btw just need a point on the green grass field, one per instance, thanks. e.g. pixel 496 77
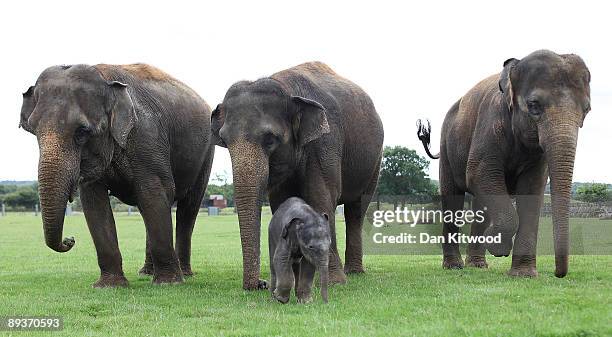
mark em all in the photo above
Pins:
pixel 399 295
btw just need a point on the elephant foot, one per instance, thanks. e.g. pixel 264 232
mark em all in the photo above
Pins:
pixel 256 285
pixel 187 271
pixel 111 281
pixel 337 277
pixel 499 249
pixel 304 300
pixel 353 269
pixel 523 266
pixel 174 278
pixel 146 271
pixel 281 298
pixel 523 272
pixel 476 261
pixel 452 262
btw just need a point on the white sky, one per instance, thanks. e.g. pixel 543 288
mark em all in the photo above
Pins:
pixel 415 60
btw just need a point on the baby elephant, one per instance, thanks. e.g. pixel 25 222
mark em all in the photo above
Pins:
pixel 299 241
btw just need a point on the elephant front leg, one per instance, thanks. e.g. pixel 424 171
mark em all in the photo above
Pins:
pixel 304 283
pixel 284 277
pixel 476 251
pixel 530 194
pixel 99 217
pixel 504 224
pixel 489 186
pixel 155 203
pixel 336 270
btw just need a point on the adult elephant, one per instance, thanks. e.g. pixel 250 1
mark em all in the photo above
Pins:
pixel 504 138
pixel 134 131
pixel 304 132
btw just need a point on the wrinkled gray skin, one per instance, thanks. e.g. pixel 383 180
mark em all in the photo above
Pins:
pixel 304 132
pixel 502 140
pixel 134 131
pixel 299 240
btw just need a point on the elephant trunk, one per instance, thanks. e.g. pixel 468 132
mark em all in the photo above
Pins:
pixel 560 151
pixel 324 275
pixel 57 175
pixel 250 172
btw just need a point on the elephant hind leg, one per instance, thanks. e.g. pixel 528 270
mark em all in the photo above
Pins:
pixel 452 199
pixel 186 214
pixel 147 268
pixel 354 214
pixel 353 256
pixel 529 199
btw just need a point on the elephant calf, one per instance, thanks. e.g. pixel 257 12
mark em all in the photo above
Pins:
pixel 299 241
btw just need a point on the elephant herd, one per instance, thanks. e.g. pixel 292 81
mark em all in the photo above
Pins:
pixel 139 134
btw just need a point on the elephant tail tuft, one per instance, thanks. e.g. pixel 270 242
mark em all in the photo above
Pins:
pixel 424 134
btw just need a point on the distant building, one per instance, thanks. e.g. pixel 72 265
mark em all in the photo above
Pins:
pixel 216 200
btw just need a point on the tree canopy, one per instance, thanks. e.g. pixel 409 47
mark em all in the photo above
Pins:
pixel 593 193
pixel 402 173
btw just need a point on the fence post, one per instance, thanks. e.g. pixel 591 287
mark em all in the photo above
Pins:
pixel 36 210
pixel 129 210
pixel 3 210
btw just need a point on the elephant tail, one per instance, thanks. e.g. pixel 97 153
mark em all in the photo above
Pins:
pixel 424 134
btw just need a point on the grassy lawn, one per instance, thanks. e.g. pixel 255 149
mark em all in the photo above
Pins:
pixel 399 295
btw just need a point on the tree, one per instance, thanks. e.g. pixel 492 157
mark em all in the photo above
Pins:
pixel 219 185
pixel 402 174
pixel 25 197
pixel 593 193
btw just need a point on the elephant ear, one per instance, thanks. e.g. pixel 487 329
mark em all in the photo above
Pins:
pixel 27 107
pixel 123 116
pixel 310 120
pixel 296 222
pixel 505 81
pixel 217 118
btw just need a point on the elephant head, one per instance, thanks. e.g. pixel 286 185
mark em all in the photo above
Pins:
pixel 314 240
pixel 79 119
pixel 262 124
pixel 548 96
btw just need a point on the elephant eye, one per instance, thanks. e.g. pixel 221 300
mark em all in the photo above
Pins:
pixel 534 107
pixel 270 140
pixel 81 135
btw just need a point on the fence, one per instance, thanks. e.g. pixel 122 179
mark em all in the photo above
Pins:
pixel 582 210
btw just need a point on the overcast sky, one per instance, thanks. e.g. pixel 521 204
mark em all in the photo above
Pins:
pixel 414 60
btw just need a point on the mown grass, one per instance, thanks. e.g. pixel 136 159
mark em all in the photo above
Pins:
pixel 399 295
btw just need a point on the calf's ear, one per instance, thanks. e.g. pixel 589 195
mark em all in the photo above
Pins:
pixel 296 222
